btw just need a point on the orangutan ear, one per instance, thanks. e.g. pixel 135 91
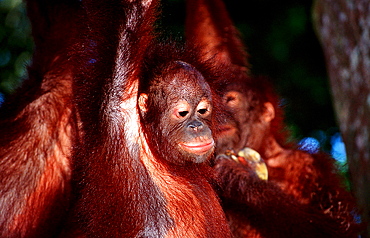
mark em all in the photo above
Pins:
pixel 142 102
pixel 269 112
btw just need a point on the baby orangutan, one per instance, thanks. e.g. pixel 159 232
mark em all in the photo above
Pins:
pixel 289 193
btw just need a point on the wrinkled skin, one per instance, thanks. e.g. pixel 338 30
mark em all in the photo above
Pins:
pixel 184 112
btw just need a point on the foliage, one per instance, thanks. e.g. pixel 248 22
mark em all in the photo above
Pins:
pixel 15 44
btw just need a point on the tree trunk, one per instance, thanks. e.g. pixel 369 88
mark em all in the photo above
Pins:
pixel 343 26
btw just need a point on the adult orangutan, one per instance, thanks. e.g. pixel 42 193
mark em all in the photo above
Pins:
pixel 37 127
pixel 289 194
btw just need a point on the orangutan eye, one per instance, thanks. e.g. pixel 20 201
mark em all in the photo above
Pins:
pixel 181 110
pixel 204 107
pixel 202 111
pixel 230 98
pixel 183 113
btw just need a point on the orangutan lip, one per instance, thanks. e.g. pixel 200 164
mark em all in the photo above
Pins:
pixel 226 129
pixel 198 147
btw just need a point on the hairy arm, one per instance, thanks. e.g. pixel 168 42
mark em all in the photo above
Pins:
pixel 265 207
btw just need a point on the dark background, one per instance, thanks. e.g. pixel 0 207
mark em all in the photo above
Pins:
pixel 278 34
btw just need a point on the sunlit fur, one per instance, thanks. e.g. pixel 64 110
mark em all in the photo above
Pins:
pixel 37 127
pixel 124 185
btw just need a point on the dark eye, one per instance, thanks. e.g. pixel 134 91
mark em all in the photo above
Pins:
pixel 183 113
pixel 230 98
pixel 202 111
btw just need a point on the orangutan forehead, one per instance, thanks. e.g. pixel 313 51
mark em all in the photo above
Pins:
pixel 183 78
